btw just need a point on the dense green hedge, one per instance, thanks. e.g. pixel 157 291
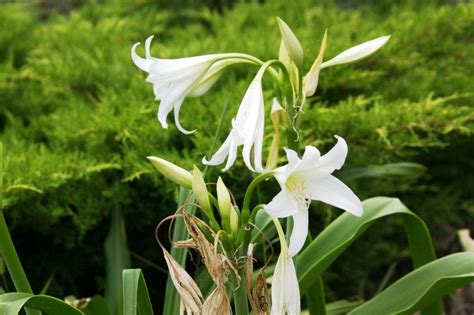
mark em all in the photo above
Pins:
pixel 77 120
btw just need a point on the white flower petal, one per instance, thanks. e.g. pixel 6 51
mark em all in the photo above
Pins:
pixel 170 70
pixel 293 162
pixel 212 75
pixel 292 156
pixel 142 63
pixel 178 124
pixel 232 154
pixel 282 205
pixel 147 47
pixel 285 288
pixel 258 146
pixel 248 119
pixel 173 98
pixel 357 52
pixel 328 189
pixel 310 159
pixel 281 175
pixel 276 106
pixel 221 154
pixel 335 158
pixel 299 232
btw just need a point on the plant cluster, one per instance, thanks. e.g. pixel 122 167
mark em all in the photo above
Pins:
pixel 76 120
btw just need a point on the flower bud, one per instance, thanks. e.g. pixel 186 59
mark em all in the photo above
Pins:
pixel 177 174
pixel 291 46
pixel 357 52
pixel 225 203
pixel 200 192
pixel 234 220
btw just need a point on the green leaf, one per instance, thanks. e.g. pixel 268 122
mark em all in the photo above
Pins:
pixel 343 231
pixel 45 288
pixel 340 307
pixel 316 297
pixel 402 170
pixel 136 300
pixel 118 259
pixel 265 225
pixel 422 286
pixel 13 303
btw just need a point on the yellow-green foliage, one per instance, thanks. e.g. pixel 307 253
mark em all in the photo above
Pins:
pixel 77 118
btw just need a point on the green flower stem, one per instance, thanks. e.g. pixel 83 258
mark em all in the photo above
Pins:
pixel 240 295
pixel 292 139
pixel 215 225
pixel 248 195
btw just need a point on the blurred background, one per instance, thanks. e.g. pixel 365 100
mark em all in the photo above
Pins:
pixel 77 120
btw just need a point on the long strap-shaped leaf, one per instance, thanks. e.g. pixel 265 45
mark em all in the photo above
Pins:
pixel 331 242
pixel 117 259
pixel 13 303
pixel 422 286
pixel 136 300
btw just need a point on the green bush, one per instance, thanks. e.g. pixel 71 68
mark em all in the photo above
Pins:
pixel 77 121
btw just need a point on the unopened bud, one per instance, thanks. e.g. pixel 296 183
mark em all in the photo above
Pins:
pixel 234 221
pixel 173 172
pixel 200 192
pixel 225 203
pixel 291 46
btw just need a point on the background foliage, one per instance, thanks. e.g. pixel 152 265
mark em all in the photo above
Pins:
pixel 77 120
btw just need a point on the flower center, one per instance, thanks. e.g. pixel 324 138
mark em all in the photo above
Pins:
pixel 296 185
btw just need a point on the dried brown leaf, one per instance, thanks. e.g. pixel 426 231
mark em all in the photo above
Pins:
pixel 211 259
pixel 261 294
pixel 191 296
pixel 189 243
pixel 217 302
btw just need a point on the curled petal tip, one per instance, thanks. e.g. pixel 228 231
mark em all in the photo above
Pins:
pixel 181 128
pixel 147 46
pixel 142 63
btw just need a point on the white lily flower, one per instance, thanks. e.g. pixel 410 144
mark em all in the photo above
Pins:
pixel 285 288
pixel 175 79
pixel 350 55
pixel 247 130
pixel 306 179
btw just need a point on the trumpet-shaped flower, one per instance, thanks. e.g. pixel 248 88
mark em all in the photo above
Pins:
pixel 247 130
pixel 175 79
pixel 306 179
